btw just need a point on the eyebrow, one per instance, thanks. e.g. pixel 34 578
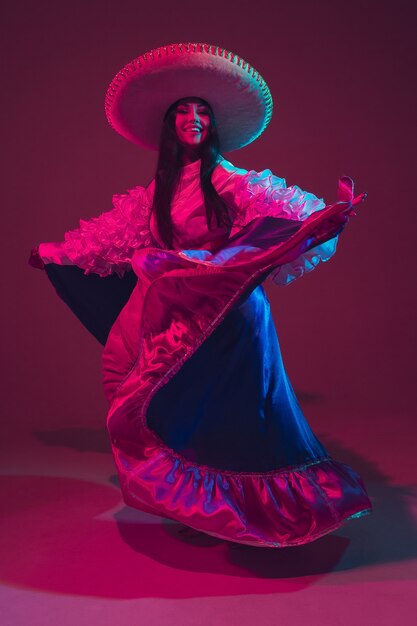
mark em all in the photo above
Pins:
pixel 198 104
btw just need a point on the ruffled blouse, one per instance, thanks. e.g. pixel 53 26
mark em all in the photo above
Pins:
pixel 106 244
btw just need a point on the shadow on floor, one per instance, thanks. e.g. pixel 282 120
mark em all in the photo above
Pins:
pixel 73 536
pixel 80 439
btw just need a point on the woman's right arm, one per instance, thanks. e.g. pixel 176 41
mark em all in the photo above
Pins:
pixel 105 244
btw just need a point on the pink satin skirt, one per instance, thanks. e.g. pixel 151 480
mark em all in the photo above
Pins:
pixel 204 423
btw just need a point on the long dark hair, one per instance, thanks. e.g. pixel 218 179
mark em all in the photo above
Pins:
pixel 168 174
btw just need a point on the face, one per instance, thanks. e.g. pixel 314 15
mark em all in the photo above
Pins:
pixel 192 122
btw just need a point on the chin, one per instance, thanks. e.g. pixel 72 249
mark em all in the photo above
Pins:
pixel 191 146
pixel 192 142
pixel 195 143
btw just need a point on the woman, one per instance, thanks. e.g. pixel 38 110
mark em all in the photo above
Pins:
pixel 204 423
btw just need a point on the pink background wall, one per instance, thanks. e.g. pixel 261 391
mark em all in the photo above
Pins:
pixel 341 77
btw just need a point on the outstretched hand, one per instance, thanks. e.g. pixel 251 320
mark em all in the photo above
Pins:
pixel 35 259
pixel 336 223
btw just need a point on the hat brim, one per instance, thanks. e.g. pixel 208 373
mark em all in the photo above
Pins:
pixel 141 93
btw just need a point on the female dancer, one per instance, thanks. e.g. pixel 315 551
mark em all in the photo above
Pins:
pixel 204 423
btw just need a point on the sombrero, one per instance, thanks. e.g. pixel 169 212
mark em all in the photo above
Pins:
pixel 141 93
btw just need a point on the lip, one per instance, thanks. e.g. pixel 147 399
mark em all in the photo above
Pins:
pixel 194 128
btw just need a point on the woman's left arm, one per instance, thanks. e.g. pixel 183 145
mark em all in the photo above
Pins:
pixel 259 194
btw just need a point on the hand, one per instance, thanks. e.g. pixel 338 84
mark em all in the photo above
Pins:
pixel 339 222
pixel 331 227
pixel 35 260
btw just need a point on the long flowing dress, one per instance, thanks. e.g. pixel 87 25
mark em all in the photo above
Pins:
pixel 204 424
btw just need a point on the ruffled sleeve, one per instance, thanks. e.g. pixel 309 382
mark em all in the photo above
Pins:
pixel 258 194
pixel 105 244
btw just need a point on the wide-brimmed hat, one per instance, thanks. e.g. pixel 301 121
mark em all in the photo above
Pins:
pixel 141 93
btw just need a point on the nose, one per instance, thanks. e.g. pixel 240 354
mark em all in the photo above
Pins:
pixel 193 114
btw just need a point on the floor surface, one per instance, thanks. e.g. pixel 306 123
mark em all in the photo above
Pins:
pixel 73 553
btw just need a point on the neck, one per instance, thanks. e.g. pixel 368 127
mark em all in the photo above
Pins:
pixel 190 155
